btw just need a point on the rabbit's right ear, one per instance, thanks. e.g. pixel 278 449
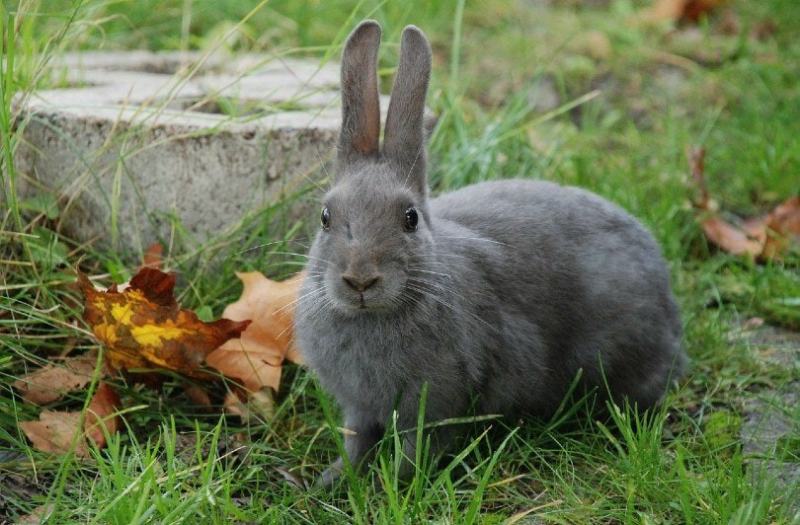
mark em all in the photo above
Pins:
pixel 404 136
pixel 361 115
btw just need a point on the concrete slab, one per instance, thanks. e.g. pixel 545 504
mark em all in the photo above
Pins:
pixel 136 142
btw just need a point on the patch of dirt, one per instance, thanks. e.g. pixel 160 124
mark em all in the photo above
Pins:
pixel 18 486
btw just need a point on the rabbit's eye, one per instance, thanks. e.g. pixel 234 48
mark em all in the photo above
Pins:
pixel 412 219
pixel 326 218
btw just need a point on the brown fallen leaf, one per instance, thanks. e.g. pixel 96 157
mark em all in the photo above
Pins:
pixel 102 418
pixel 594 44
pixel 694 10
pixel 256 357
pixel 153 256
pixel 144 327
pixel 765 29
pixel 39 515
pixel 197 395
pixel 765 237
pixel 51 382
pixel 680 10
pixel 292 479
pixel 247 405
pixel 721 233
pixel 753 323
pixel 783 228
pixel 57 432
pixel 235 406
pixel 730 238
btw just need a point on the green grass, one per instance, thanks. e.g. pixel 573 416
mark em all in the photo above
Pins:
pixel 659 92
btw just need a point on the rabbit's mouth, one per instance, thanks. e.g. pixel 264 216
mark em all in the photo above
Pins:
pixel 360 302
pixel 354 293
pixel 380 298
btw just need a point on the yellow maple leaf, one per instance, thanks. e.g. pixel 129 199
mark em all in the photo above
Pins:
pixel 143 326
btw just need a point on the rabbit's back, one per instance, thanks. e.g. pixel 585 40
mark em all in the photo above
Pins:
pixel 576 274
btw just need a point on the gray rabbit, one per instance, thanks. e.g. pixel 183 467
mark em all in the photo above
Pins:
pixel 496 295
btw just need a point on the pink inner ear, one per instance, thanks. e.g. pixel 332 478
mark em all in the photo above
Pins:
pixel 366 140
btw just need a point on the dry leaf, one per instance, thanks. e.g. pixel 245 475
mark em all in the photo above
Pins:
pixel 694 10
pixel 664 11
pixel 594 44
pixel 783 228
pixel 680 10
pixel 39 515
pixel 50 383
pixel 752 323
pixel 144 326
pixel 153 256
pixel 730 238
pixel 291 478
pixel 262 404
pixel 197 395
pixel 766 237
pixel 102 418
pixel 764 29
pixel 251 404
pixel 255 359
pixel 723 234
pixel 56 431
pixel 234 406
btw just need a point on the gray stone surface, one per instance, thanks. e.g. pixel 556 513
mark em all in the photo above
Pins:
pixel 772 416
pixel 773 345
pixel 771 423
pixel 134 141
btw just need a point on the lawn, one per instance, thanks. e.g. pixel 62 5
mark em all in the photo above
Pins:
pixel 574 91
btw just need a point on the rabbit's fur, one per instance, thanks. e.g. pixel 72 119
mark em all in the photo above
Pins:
pixel 503 294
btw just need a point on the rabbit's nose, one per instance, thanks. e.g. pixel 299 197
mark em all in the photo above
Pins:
pixel 360 284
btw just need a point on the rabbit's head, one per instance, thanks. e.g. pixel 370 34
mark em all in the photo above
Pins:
pixel 375 230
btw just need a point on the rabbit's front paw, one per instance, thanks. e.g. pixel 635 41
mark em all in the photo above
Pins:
pixel 330 475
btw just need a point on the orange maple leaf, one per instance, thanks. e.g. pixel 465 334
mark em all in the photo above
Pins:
pixel 256 357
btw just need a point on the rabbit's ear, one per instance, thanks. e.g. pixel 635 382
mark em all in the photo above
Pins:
pixel 361 115
pixel 404 137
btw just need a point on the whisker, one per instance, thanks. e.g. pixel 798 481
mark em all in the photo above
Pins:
pixel 326 261
pixel 313 292
pixel 482 239
pixel 413 269
pixel 418 286
pixel 263 245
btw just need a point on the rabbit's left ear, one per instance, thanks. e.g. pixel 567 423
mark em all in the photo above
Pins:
pixel 404 136
pixel 361 116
